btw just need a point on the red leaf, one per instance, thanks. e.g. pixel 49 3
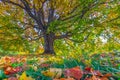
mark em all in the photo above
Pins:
pixel 6 72
pixel 18 69
pixel 74 72
pixel 13 59
pixel 97 73
pixel 88 69
pixel 44 65
pixel 9 68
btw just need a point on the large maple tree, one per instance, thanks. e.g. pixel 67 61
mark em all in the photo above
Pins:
pixel 74 20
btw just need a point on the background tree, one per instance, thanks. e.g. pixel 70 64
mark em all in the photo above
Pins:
pixel 74 20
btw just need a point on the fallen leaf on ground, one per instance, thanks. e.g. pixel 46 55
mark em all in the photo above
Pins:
pixel 75 72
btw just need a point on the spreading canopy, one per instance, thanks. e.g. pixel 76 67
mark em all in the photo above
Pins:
pixel 74 20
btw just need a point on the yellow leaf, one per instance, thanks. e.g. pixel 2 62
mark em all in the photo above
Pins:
pixel 57 72
pixel 35 68
pixel 24 77
pixel 30 78
pixel 53 72
pixel 48 73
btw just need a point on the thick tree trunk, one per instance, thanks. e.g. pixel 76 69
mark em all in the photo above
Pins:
pixel 48 44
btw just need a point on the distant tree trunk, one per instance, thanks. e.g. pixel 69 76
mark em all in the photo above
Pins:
pixel 49 44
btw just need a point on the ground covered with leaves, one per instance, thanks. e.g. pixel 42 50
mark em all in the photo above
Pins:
pixel 104 66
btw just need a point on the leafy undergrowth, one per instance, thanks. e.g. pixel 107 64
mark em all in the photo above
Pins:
pixel 94 67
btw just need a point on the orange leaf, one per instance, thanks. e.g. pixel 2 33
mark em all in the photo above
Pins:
pixel 103 78
pixel 107 75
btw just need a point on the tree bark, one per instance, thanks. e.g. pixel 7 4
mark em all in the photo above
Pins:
pixel 49 44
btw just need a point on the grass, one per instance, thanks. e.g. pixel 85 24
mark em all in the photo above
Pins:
pixel 105 63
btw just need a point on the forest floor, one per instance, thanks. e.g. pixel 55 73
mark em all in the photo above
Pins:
pixel 104 66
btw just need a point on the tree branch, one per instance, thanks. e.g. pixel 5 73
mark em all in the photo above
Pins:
pixel 30 13
pixel 90 6
pixel 28 9
pixel 72 11
pixel 8 1
pixel 50 16
pixel 84 10
pixel 86 37
pixel 63 36
pixel 114 19
pixel 70 17
pixel 32 38
pixel 40 17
